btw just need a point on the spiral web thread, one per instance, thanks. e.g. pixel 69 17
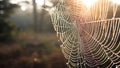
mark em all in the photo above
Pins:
pixel 90 36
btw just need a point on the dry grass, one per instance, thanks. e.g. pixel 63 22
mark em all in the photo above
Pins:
pixel 32 51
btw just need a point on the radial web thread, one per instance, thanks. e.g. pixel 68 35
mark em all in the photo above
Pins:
pixel 90 36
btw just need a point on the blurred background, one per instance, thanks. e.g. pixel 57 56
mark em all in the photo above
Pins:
pixel 27 37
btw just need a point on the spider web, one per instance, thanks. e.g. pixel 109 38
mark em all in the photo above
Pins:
pixel 90 36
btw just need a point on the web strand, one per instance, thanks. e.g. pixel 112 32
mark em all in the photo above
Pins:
pixel 90 38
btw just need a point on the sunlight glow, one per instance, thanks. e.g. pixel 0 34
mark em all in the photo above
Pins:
pixel 116 2
pixel 40 2
pixel 88 3
pixel 23 8
pixel 14 1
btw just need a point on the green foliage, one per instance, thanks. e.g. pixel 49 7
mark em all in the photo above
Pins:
pixel 6 8
pixel 7 30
